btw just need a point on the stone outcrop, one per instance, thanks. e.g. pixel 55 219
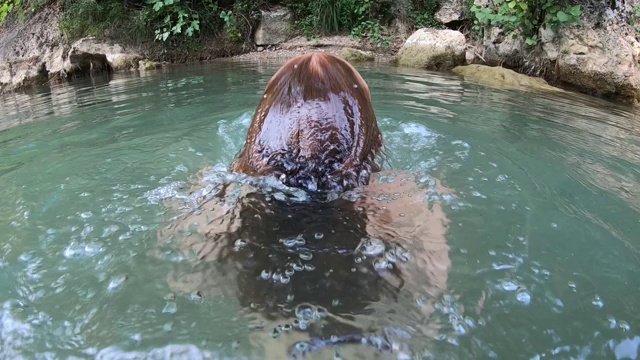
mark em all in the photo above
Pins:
pixel 274 28
pixel 433 49
pixel 34 53
pixel 355 55
pixel 597 62
pixel 497 76
pixel 116 55
pixel 450 11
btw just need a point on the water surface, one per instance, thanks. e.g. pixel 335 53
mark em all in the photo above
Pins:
pixel 542 202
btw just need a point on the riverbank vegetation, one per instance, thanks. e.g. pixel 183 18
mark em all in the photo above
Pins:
pixel 176 23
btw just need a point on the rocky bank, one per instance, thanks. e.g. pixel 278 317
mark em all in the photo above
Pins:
pixel 597 61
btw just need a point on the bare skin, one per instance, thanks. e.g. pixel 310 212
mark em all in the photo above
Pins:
pixel 408 220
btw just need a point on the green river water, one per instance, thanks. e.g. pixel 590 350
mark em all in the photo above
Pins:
pixel 543 236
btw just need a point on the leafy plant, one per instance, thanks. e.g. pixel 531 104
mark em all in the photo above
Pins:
pixel 6 7
pixel 177 19
pixel 230 25
pixel 424 14
pixel 526 16
pixel 371 31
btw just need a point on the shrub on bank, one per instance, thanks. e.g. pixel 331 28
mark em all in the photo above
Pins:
pixel 173 21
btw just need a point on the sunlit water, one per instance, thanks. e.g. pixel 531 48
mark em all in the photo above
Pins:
pixel 543 204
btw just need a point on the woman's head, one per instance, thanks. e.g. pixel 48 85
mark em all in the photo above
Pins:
pixel 315 127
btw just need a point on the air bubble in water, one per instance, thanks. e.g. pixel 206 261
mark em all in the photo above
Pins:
pixel 371 246
pixel 305 311
pixel 116 283
pixel 239 244
pixel 623 325
pixel 265 274
pixel 289 272
pixel 86 214
pixel 170 308
pixel 309 267
pixel 597 301
pixel 381 264
pixel 291 242
pixel 319 235
pixel 509 285
pixel 285 279
pixel 523 297
pixel 306 256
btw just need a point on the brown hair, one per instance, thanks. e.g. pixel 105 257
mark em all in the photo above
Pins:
pixel 315 127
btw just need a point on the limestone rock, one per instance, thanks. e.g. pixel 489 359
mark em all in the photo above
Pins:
pixel 433 49
pixel 501 47
pixel 598 62
pixel 500 77
pixel 148 65
pixel 274 27
pixel 22 72
pixel 115 54
pixel 450 11
pixel 355 55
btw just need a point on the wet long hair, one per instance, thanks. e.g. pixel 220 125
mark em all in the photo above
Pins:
pixel 314 128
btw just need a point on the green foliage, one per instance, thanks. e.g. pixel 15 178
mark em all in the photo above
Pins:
pixel 634 18
pixel 423 14
pixel 230 25
pixel 526 16
pixel 177 18
pixel 328 16
pixel 19 8
pixel 372 31
pixel 6 7
pixel 90 17
pixel 363 19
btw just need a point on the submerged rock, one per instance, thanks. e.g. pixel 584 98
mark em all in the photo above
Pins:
pixel 433 49
pixel 497 76
pixel 355 55
pixel 274 28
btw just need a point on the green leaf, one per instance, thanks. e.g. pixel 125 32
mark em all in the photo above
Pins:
pixel 562 16
pixel 481 15
pixel 575 10
pixel 165 35
pixel 157 6
pixel 523 5
pixel 512 4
